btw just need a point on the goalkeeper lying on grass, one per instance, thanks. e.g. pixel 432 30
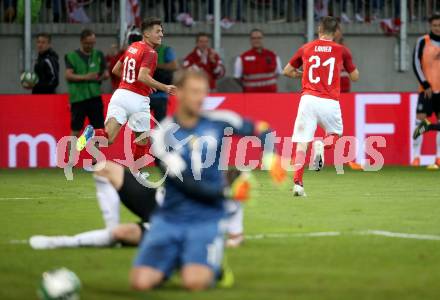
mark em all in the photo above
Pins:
pixel 186 230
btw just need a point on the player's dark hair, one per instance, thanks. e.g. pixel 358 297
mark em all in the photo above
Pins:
pixel 44 35
pixel 149 23
pixel 434 17
pixel 86 33
pixel 201 34
pixel 329 25
pixel 181 76
pixel 256 30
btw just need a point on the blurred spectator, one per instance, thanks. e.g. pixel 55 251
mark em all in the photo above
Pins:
pixel 205 58
pixel 55 6
pixel 299 10
pixel 47 67
pixel 345 79
pixel 426 66
pixel 378 8
pixel 112 58
pixel 357 11
pixel 166 65
pixel 183 16
pixel 321 8
pixel 35 10
pixel 85 69
pixel 10 7
pixel 76 11
pixel 258 68
pixel 227 20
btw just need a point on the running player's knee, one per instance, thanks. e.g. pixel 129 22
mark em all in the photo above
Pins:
pixel 302 147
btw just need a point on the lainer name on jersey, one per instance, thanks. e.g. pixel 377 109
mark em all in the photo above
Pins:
pixel 323 48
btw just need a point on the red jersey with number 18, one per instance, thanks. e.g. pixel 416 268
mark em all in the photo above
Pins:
pixel 322 62
pixel 138 55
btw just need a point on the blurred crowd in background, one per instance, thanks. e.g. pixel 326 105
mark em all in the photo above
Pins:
pixel 190 12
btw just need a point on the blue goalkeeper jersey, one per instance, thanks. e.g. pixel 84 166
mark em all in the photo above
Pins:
pixel 199 196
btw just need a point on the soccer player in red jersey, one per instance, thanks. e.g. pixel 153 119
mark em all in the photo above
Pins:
pixel 322 61
pixel 130 101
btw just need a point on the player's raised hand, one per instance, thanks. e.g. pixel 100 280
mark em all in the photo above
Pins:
pixel 170 89
pixel 272 163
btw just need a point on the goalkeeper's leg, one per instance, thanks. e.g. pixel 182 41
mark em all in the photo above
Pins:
pixel 94 238
pixel 108 180
pixel 128 234
pixel 235 224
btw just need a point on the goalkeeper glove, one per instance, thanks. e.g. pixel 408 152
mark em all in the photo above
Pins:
pixel 272 162
pixel 239 185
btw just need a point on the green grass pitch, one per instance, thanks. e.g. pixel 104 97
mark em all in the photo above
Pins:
pixel 280 265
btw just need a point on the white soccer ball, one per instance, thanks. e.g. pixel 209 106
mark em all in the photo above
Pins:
pixel 59 284
pixel 28 79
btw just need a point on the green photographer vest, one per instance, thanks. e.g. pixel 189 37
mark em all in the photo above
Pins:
pixel 84 90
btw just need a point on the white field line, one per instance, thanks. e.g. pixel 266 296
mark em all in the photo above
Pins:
pixel 290 235
pixel 415 236
pixel 383 233
pixel 42 198
pixel 18 241
pixel 261 236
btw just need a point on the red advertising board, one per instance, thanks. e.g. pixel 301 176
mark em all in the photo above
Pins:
pixel 31 125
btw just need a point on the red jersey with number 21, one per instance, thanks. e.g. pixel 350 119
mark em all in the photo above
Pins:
pixel 138 55
pixel 322 62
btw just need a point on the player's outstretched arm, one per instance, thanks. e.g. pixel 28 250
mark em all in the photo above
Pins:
pixel 237 188
pixel 354 76
pixel 182 177
pixel 145 77
pixel 260 129
pixel 291 72
pixel 117 69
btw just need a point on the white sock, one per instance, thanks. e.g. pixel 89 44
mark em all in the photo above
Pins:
pixel 235 221
pixel 417 143
pixel 438 143
pixel 108 200
pixel 94 238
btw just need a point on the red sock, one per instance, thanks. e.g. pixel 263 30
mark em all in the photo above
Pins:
pixel 101 132
pixel 330 141
pixel 300 159
pixel 139 151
